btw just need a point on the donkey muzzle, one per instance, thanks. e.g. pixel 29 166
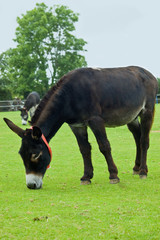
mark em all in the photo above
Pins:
pixel 33 181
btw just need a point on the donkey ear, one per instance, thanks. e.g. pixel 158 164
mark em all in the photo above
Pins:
pixel 36 134
pixel 19 131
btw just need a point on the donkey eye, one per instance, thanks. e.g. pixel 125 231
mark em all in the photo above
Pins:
pixel 35 157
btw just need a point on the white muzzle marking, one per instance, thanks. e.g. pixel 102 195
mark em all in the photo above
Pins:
pixel 33 181
pixel 24 122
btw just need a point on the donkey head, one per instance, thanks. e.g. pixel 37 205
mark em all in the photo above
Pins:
pixel 35 152
pixel 24 115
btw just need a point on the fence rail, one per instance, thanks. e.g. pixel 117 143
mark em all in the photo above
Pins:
pixel 158 98
pixel 11 105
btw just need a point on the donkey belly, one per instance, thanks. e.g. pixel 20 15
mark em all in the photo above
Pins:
pixel 121 116
pixel 113 117
pixel 122 106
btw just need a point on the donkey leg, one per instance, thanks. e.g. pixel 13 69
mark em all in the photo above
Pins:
pixel 98 127
pixel 146 123
pixel 135 129
pixel 85 149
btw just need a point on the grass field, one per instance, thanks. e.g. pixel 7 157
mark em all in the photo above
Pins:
pixel 63 209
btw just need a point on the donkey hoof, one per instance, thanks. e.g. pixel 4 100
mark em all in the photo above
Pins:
pixel 114 181
pixel 135 172
pixel 143 176
pixel 85 182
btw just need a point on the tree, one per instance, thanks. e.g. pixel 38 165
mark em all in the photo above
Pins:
pixel 46 48
pixel 5 78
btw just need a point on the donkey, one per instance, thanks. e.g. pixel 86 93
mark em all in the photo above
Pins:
pixel 31 103
pixel 97 98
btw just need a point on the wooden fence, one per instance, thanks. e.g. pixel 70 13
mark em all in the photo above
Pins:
pixel 11 105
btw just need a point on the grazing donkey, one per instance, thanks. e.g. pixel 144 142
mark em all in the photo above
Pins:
pixel 97 98
pixel 30 106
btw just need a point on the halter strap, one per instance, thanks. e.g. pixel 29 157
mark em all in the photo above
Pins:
pixel 47 145
pixel 49 149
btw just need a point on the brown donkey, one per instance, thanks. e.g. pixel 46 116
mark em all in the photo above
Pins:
pixel 97 98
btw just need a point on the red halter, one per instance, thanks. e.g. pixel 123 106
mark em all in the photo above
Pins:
pixel 49 149
pixel 47 145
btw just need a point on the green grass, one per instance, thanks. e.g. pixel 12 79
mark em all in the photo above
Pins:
pixel 63 209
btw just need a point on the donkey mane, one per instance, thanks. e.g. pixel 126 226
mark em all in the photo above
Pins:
pixel 46 99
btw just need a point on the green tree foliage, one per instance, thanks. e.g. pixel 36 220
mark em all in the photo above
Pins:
pixel 46 49
pixel 5 76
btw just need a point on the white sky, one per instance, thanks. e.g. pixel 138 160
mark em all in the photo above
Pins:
pixel 118 32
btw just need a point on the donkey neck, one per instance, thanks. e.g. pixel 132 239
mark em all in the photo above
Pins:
pixel 50 114
pixel 50 126
pixel 51 118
